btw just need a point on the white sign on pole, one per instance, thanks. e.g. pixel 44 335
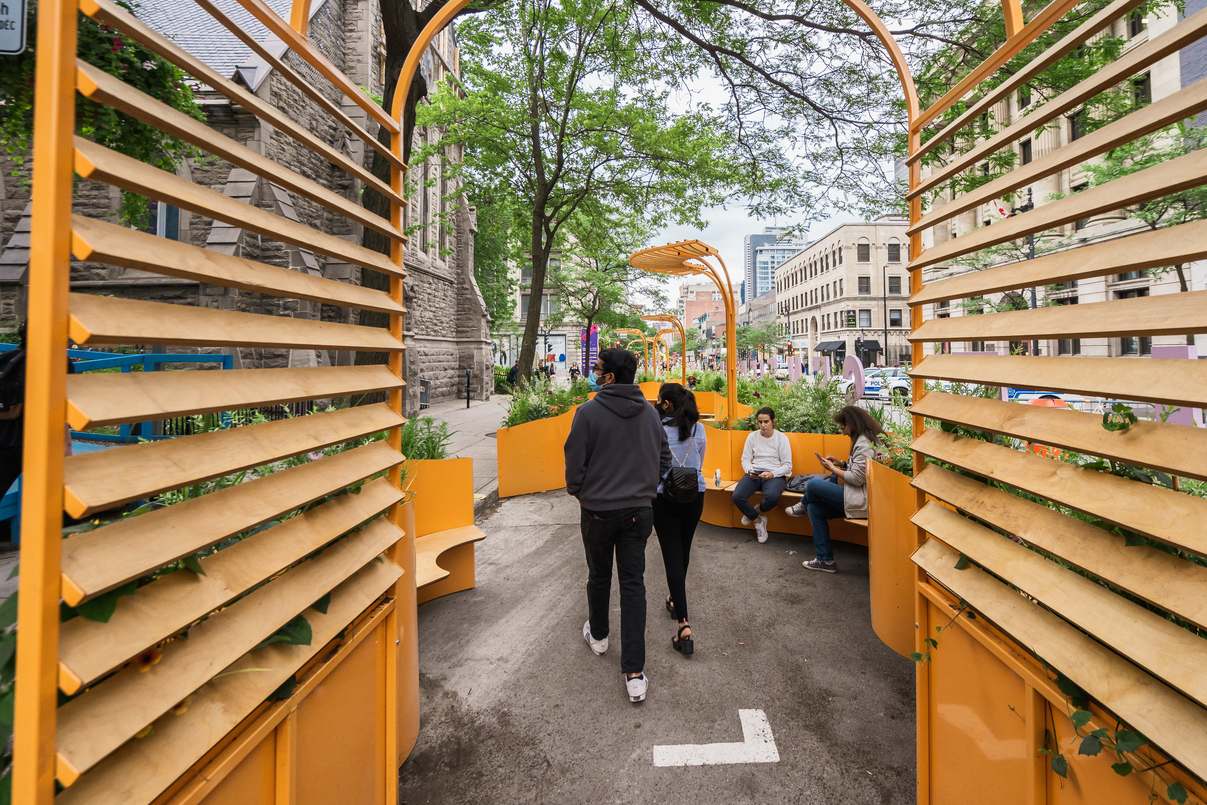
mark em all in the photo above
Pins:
pixel 12 27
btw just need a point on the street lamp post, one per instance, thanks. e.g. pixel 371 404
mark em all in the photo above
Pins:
pixel 884 289
pixel 1030 205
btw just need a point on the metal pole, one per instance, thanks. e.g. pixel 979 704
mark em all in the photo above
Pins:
pixel 467 388
pixel 1031 256
pixel 884 289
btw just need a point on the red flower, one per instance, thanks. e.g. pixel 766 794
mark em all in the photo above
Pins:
pixel 757 394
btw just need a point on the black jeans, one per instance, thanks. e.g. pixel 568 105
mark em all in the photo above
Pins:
pixel 622 532
pixel 676 525
pixel 772 488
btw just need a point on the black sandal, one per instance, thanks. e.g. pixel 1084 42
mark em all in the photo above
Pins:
pixel 670 607
pixel 682 644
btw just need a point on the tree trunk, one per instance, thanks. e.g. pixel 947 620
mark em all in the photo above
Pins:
pixel 539 249
pixel 1184 287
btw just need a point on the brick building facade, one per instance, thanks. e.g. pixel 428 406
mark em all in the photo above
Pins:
pixel 446 327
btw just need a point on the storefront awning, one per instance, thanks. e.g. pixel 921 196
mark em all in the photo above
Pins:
pixel 871 345
pixel 830 346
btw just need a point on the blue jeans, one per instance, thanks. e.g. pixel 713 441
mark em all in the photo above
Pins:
pixel 772 488
pixel 824 503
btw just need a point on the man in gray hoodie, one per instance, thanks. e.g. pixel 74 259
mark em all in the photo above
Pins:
pixel 615 455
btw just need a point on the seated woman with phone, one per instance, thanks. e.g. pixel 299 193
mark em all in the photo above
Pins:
pixel 767 462
pixel 844 493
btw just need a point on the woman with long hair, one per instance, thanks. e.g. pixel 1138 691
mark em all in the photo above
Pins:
pixel 825 500
pixel 676 522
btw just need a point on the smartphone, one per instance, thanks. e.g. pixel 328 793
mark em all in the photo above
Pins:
pixel 819 458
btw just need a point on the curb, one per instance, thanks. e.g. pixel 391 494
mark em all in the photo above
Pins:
pixel 487 499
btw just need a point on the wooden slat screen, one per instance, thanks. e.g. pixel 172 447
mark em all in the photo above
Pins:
pixel 290 532
pixel 1089 558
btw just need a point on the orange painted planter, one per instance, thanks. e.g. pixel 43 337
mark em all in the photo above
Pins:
pixel 532 457
pixel 892 538
pixel 408 638
pixel 443 495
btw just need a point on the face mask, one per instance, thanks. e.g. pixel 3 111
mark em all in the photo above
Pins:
pixel 593 382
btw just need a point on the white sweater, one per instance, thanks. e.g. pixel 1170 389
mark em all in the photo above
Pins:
pixel 772 455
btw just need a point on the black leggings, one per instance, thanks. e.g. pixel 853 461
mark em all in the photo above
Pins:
pixel 676 525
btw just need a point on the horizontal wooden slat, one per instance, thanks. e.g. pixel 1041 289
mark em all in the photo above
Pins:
pixel 95 724
pixel 97 400
pixel 303 48
pixel 1043 20
pixel 1162 179
pixel 1163 514
pixel 1169 720
pixel 140 770
pixel 103 320
pixel 1165 112
pixel 103 88
pixel 1167 651
pixel 1063 47
pixel 1176 449
pixel 97 241
pixel 1162 380
pixel 312 92
pixel 1184 33
pixel 100 164
pixel 97 561
pixel 429 547
pixel 107 13
pixel 1169 314
pixel 108 478
pixel 1166 247
pixel 1158 577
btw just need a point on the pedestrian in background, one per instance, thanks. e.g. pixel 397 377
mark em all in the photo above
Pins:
pixel 675 522
pixel 767 462
pixel 616 454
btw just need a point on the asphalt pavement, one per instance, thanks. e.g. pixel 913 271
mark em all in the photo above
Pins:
pixel 516 709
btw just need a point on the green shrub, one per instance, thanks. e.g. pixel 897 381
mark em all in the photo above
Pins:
pixel 424 438
pixel 541 401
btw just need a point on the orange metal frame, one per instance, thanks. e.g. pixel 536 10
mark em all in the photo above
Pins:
pixel 682 338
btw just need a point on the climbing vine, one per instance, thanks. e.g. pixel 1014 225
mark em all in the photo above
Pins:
pixel 108 50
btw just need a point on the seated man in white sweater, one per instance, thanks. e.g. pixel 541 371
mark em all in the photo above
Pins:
pixel 767 462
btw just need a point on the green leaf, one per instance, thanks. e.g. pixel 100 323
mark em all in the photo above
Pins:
pixel 1081 718
pixel 1060 766
pixel 6 706
pixel 1133 540
pixel 193 563
pixel 1090 745
pixel 8 612
pixel 962 562
pixel 285 690
pixel 102 607
pixel 1177 793
pixel 1128 741
pixel 930 641
pixel 1122 769
pixel 12 574
pixel 915 656
pixel 295 633
pixel 1077 697
pixel 322 604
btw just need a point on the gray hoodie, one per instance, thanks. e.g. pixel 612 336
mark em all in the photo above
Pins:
pixel 617 451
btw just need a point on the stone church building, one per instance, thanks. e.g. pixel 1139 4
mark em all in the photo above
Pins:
pixel 447 325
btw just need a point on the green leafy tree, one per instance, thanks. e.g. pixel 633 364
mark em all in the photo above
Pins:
pixel 565 110
pixel 493 258
pixel 112 52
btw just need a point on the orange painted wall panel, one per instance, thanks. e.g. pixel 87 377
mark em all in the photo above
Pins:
pixel 532 456
pixel 341 732
pixel 443 493
pixel 253 781
pixel 408 640
pixel 891 541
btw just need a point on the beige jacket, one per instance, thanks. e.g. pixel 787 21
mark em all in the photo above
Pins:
pixel 855 490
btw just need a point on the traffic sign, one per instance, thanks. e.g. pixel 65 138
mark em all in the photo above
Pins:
pixel 12 27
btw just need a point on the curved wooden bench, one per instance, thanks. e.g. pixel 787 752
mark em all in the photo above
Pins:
pixel 444 561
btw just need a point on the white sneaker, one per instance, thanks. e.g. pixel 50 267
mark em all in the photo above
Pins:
pixel 637 686
pixel 745 520
pixel 798 510
pixel 716 479
pixel 760 528
pixel 598 646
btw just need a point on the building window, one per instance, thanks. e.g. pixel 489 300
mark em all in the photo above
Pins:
pixel 850 318
pixel 865 285
pixel 163 220
pixel 1077 125
pixel 1137 23
pixel 863 253
pixel 894 285
pixel 840 255
pixel 894 252
pixel 1024 151
pixel 840 287
pixel 1142 91
pixel 944 310
pixel 1068 346
pixel 894 318
pixel 1130 275
pixel 549 304
pixel 865 318
pixel 1024 96
pixel 1134 346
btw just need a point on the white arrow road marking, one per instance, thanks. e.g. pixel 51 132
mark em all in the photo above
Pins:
pixel 757 746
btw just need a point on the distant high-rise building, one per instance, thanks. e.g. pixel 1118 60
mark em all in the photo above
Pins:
pixel 742 294
pixel 763 253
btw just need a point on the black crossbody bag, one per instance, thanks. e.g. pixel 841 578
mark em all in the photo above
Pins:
pixel 681 484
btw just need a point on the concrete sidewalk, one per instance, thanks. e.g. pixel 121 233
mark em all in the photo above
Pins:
pixel 474 438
